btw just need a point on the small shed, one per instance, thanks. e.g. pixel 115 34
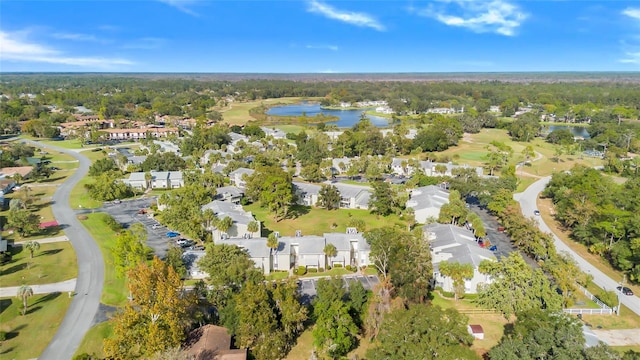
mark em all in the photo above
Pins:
pixel 477 331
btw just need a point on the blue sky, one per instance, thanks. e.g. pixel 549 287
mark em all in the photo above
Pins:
pixel 319 36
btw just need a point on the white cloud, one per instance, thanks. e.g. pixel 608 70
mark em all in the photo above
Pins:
pixel 349 17
pixel 323 47
pixel 496 16
pixel 13 48
pixel 75 37
pixel 182 5
pixel 632 12
pixel 631 58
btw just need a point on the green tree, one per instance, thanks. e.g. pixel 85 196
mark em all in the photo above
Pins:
pixel 539 334
pixel 229 266
pixel 102 166
pixel 313 173
pixel 253 227
pixel 383 199
pixel 329 197
pixel 23 221
pixel 32 246
pixel 357 223
pixel 156 318
pixel 128 252
pixel 516 287
pixel 24 292
pixel 329 252
pixel 334 333
pixel 175 261
pixel 459 273
pixel 272 187
pixel 423 332
pixel 224 224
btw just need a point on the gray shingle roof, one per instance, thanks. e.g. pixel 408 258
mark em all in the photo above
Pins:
pixel 256 247
pixel 235 212
pixel 309 189
pixel 428 197
pixel 458 242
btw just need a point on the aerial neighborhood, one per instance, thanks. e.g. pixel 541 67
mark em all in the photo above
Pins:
pixel 424 216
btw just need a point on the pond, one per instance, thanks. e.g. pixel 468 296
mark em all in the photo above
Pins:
pixel 575 130
pixel 347 118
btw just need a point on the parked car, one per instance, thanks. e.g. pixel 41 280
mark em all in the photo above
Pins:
pixel 536 212
pixel 155 226
pixel 625 290
pixel 117 201
pixel 493 248
pixel 181 242
pixel 197 247
pixel 54 168
pixel 142 211
pixel 172 234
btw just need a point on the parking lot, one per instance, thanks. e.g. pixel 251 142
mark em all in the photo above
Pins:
pixel 307 287
pixel 126 213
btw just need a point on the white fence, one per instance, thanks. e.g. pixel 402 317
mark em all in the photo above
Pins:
pixel 608 311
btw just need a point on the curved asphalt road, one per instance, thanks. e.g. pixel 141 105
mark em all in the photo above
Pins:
pixel 83 308
pixel 527 201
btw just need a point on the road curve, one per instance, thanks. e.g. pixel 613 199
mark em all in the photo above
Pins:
pixel 527 200
pixel 79 317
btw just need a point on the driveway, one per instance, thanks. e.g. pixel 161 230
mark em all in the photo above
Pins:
pixel 126 213
pixel 307 286
pixel 528 204
pixel 62 286
pixel 627 337
pixel 84 306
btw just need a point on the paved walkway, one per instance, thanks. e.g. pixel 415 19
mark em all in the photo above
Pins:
pixel 63 286
pixel 44 241
pixel 626 337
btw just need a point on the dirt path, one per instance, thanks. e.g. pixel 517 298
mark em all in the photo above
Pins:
pixel 626 337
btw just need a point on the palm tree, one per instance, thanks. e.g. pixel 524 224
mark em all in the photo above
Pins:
pixel 32 246
pixel 253 227
pixel 24 292
pixel 17 178
pixel 209 217
pixel 272 244
pixel 147 178
pixel 329 252
pixel 225 224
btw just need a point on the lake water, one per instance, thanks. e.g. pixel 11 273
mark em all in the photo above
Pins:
pixel 575 130
pixel 347 118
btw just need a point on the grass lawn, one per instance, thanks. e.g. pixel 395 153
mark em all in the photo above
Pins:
pixel 315 221
pixel 295 129
pixel 303 347
pixel 54 262
pixel 115 291
pixel 332 272
pixel 92 342
pixel 546 211
pixel 29 335
pixel 80 196
pixel 40 207
pixel 623 349
pixel 277 275
pixel 473 151
pixel 66 144
pixel 238 112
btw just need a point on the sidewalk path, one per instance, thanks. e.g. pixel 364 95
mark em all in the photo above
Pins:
pixel 44 241
pixel 527 200
pixel 63 286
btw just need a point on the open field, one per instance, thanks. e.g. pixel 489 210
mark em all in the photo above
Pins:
pixel 71 144
pixel 238 112
pixel 546 211
pixel 41 207
pixel 315 221
pixel 54 262
pixel 115 291
pixel 29 335
pixel 92 342
pixel 295 129
pixel 474 151
pixel 80 198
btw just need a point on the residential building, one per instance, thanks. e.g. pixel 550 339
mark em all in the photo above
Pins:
pixel 305 250
pixel 238 178
pixel 240 217
pixel 429 168
pixel 340 165
pixel 456 244
pixel 353 196
pixel 306 193
pixel 135 134
pixel 273 132
pixel 158 180
pixel 230 194
pixel 24 171
pixel 426 202
pixel 167 146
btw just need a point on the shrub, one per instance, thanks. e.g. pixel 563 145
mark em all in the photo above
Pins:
pixel 348 267
pixel 3 335
pixel 608 297
pixel 337 265
pixel 321 270
pixel 112 223
pixel 313 270
pixel 302 270
pixel 82 217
